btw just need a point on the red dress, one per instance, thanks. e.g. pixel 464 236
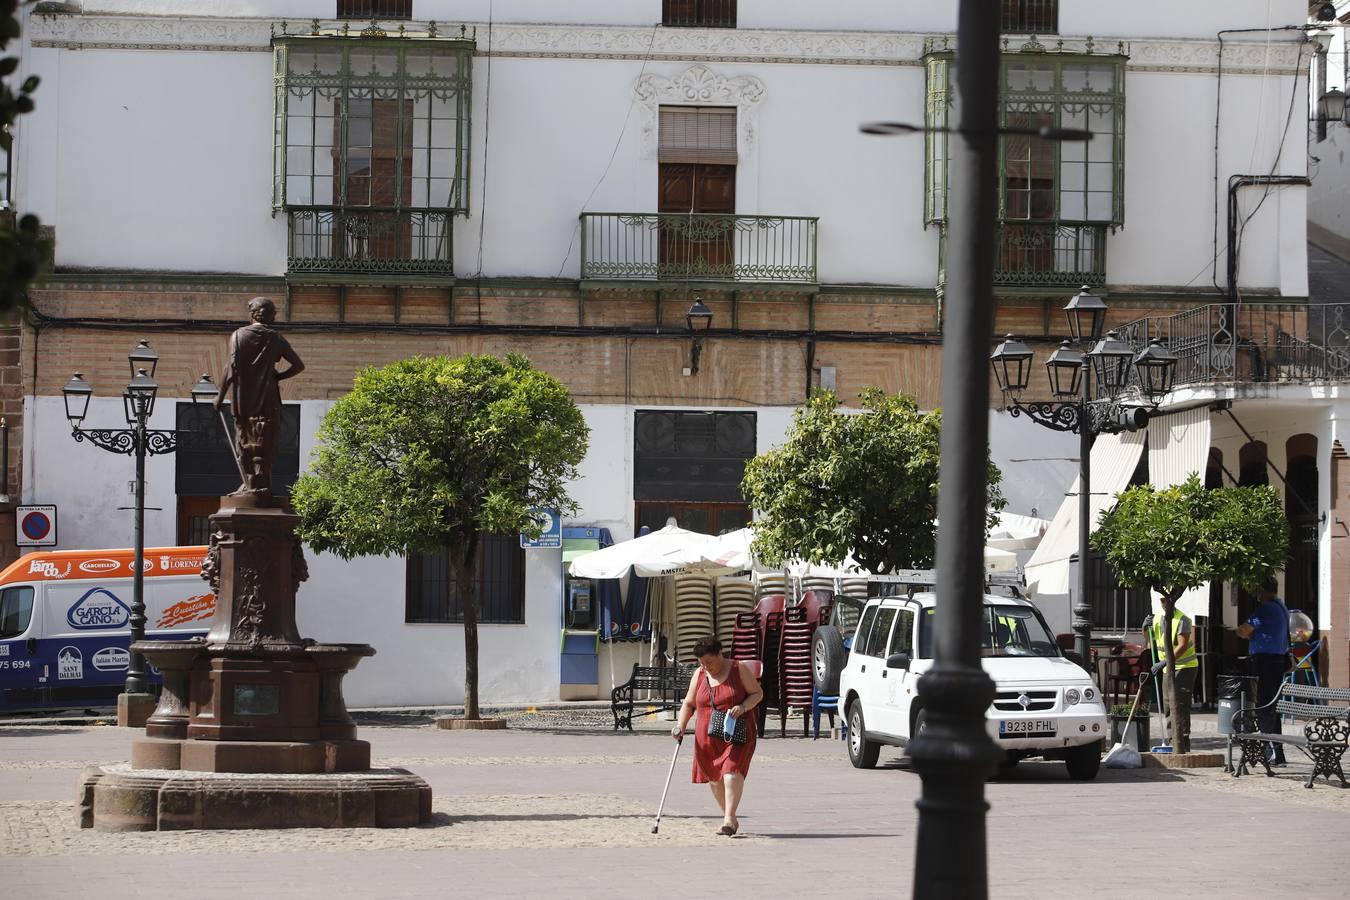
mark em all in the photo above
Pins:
pixel 714 757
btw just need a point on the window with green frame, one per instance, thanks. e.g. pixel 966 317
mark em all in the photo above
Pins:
pixel 371 150
pixel 1042 181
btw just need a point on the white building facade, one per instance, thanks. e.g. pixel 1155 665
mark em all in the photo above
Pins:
pixel 564 180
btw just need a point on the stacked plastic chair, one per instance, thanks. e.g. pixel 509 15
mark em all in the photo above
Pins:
pixel 769 583
pixel 693 614
pixel 734 596
pixel 769 611
pixel 745 639
pixel 817 583
pixel 795 684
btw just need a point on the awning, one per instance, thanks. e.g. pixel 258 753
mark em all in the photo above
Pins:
pixel 1114 459
pixel 1178 447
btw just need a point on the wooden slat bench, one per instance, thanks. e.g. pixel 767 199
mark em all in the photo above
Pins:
pixel 1324 740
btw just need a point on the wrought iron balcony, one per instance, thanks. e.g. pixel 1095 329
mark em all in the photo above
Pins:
pixel 698 247
pixel 1053 254
pixel 1236 343
pixel 698 13
pixel 370 240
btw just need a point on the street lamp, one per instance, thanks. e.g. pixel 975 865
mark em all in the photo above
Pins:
pixel 138 402
pixel 1072 375
pixel 698 320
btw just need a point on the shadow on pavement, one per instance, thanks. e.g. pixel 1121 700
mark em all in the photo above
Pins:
pixel 38 731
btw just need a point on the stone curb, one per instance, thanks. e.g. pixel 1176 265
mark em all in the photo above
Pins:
pixel 1182 760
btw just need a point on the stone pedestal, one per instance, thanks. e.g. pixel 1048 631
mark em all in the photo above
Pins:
pixel 134 709
pixel 251 730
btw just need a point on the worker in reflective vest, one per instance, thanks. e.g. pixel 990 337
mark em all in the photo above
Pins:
pixel 1188 667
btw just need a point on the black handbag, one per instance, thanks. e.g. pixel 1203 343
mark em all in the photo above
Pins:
pixel 717 722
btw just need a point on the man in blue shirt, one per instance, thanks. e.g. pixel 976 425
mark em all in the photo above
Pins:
pixel 1267 634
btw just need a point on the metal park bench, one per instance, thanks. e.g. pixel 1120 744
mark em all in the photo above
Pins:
pixel 665 685
pixel 1324 739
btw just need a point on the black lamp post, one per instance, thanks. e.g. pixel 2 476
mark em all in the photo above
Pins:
pixel 1073 375
pixel 698 320
pixel 138 402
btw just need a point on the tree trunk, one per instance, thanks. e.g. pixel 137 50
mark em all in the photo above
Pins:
pixel 464 560
pixel 1170 676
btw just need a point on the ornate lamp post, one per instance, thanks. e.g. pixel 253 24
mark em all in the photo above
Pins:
pixel 1072 374
pixel 139 440
pixel 698 320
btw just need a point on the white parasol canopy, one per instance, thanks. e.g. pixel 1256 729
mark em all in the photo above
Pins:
pixel 670 551
pixel 1015 532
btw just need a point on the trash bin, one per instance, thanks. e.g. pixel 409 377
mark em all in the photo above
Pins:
pixel 1235 692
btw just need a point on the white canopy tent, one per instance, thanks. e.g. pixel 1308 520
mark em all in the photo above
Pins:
pixel 1017 532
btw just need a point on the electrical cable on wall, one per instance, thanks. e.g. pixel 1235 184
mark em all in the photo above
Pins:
pixel 612 154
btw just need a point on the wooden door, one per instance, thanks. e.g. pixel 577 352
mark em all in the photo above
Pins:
pixel 194 519
pixel 377 174
pixel 693 244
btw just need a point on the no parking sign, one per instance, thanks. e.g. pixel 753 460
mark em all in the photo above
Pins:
pixel 35 526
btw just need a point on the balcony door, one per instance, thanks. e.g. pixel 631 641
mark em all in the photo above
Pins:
pixel 696 194
pixel 376 174
pixel 1028 240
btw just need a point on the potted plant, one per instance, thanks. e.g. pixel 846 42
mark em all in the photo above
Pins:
pixel 1119 714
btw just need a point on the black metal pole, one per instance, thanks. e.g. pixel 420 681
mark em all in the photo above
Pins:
pixel 1082 606
pixel 4 458
pixel 136 683
pixel 954 755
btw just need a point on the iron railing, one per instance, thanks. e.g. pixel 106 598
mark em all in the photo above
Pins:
pixel 370 240
pixel 698 246
pixel 698 13
pixel 1228 343
pixel 374 9
pixel 1030 17
pixel 1051 254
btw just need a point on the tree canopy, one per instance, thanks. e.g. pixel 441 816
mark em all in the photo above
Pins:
pixel 426 454
pixel 1173 539
pixel 21 246
pixel 861 482
pixel 1177 538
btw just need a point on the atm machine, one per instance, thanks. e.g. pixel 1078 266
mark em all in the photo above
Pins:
pixel 579 658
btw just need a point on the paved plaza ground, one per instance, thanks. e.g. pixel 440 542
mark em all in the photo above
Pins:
pixel 548 810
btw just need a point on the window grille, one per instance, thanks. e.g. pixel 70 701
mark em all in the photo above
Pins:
pixel 433 596
pixel 371 157
pixel 697 134
pixel 698 13
pixel 374 9
pixel 1030 17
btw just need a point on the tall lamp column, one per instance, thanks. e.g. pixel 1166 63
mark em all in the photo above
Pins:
pixel 1109 368
pixel 139 441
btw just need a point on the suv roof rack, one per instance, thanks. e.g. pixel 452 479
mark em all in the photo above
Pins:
pixel 914 579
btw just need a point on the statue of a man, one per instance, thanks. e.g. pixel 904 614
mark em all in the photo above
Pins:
pixel 252 380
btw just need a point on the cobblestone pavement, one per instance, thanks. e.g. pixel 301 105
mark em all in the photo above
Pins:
pixel 567 812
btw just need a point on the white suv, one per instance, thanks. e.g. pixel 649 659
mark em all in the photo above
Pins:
pixel 1045 705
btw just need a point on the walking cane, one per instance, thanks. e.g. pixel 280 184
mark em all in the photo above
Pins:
pixel 656 827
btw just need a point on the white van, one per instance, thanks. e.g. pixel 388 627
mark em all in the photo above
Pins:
pixel 65 621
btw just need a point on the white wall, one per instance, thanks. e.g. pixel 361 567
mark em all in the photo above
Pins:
pixel 153 159
pixel 1329 199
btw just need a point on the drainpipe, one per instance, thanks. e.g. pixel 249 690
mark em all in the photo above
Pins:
pixel 1235 183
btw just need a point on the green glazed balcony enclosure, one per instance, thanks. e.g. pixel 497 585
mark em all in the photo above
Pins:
pixel 698 247
pixel 371 151
pixel 1058 201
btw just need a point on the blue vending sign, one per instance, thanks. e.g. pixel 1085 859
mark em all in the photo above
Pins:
pixel 550 524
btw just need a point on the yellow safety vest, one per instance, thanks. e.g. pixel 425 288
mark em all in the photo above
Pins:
pixel 1187 658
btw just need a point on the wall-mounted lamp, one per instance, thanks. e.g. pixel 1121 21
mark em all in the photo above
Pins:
pixel 699 320
pixel 1331 106
pixel 1326 12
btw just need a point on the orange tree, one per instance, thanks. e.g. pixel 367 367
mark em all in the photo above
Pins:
pixel 1173 539
pixel 427 454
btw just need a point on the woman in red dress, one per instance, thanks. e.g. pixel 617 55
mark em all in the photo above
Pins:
pixel 730 686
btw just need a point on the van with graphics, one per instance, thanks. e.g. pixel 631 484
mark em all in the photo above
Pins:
pixel 65 621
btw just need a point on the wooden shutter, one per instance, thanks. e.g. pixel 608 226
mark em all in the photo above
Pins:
pixel 697 134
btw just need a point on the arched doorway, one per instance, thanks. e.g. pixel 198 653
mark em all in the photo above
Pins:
pixel 1301 573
